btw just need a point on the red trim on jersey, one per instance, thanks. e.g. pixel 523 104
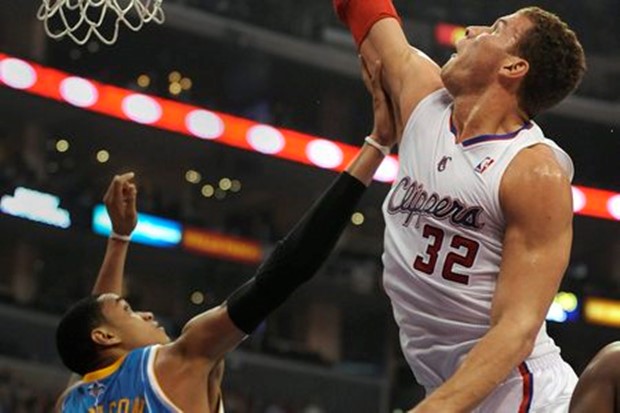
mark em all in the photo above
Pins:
pixel 528 388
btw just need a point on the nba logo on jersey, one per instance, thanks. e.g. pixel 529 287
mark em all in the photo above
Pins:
pixel 484 165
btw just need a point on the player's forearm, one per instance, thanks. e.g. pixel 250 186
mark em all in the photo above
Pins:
pixel 376 29
pixel 298 256
pixel 487 365
pixel 365 164
pixel 110 277
pixel 360 16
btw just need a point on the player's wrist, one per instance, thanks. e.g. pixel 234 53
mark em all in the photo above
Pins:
pixel 120 237
pixel 371 140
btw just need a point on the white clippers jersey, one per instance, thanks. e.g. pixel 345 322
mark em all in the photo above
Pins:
pixel 443 237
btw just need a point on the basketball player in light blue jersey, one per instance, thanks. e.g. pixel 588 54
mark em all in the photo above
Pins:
pixel 127 361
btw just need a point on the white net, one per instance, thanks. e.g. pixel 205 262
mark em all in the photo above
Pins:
pixel 82 20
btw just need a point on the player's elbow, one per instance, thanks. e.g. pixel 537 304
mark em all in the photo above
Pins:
pixel 522 332
pixel 527 345
pixel 526 334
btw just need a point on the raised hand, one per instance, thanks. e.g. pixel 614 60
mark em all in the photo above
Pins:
pixel 384 129
pixel 120 202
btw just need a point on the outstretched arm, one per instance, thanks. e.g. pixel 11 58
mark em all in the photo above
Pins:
pixel 296 258
pixel 409 74
pixel 120 202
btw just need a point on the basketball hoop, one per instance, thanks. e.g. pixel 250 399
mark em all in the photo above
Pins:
pixel 82 19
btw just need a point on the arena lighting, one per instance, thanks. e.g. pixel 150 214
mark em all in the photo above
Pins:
pixel 79 92
pixel 565 308
pixel 448 34
pixel 602 311
pixel 226 129
pixel 142 108
pixel 204 124
pixel 17 73
pixel 222 246
pixel 324 153
pixel 175 116
pixel 151 230
pixel 35 206
pixel 597 203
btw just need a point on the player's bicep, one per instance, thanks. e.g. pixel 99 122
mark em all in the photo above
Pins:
pixel 209 335
pixel 536 200
pixel 409 75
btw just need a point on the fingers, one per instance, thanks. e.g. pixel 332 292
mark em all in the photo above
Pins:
pixel 129 191
pixel 365 73
pixel 129 196
pixel 376 84
pixel 121 183
pixel 118 186
pixel 371 75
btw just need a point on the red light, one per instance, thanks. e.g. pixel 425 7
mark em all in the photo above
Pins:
pixel 231 130
pixel 448 34
pixel 222 246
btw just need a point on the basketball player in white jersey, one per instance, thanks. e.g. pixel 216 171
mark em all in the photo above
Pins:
pixel 479 219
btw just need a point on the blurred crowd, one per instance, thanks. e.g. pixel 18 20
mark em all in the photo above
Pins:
pixel 21 396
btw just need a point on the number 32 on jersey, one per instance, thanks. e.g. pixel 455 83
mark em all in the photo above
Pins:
pixel 462 251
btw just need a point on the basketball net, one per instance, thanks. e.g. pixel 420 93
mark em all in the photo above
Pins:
pixel 81 20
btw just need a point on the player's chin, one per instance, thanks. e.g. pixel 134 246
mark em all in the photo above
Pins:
pixel 159 336
pixel 165 339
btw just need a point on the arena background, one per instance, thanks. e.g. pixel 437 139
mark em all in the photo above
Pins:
pixel 291 65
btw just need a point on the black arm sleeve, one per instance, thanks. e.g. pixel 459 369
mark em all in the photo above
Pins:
pixel 298 256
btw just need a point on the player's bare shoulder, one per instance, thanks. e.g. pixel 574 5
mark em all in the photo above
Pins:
pixel 535 163
pixel 604 365
pixel 535 177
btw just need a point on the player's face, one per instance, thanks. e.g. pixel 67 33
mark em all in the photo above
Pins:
pixel 481 53
pixel 134 328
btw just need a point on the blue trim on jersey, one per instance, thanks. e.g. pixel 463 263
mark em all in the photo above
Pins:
pixel 486 138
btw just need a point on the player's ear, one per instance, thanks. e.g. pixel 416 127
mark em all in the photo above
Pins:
pixel 514 67
pixel 104 336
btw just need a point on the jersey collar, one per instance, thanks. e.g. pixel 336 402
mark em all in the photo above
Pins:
pixel 486 138
pixel 104 372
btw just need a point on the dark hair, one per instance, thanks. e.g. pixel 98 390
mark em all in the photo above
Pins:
pixel 75 346
pixel 556 58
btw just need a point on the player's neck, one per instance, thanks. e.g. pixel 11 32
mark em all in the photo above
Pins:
pixel 109 357
pixel 492 112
